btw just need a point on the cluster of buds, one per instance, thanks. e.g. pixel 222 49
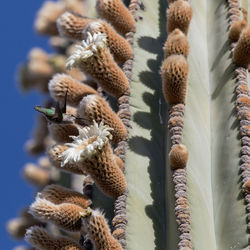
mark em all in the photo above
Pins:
pixel 174 72
pixel 82 129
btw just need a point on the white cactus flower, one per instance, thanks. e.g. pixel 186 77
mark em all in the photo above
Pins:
pixel 86 49
pixel 86 143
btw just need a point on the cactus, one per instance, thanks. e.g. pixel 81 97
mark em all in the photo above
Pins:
pixel 172 155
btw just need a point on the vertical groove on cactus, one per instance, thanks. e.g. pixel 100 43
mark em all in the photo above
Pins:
pixel 150 203
pixel 120 220
pixel 211 133
pixel 242 103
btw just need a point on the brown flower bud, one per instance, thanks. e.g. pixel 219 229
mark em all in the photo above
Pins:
pixel 105 172
pixel 118 46
pixel 94 107
pixel 36 175
pixel 241 55
pixel 58 194
pixel 62 133
pixel 61 84
pixel 54 156
pixel 115 12
pixel 99 232
pixel 46 18
pixel 237 27
pixel 174 72
pixel 179 16
pixel 42 239
pixel 92 151
pixel 176 44
pixel 178 156
pixel 65 215
pixel 71 25
pixel 94 58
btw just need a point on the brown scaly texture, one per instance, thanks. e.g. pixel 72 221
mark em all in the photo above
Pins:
pixel 178 156
pixel 42 239
pixel 242 107
pixel 62 133
pixel 58 194
pixel 176 44
pixel 46 18
pixel 102 68
pixel 237 27
pixel 105 172
pixel 179 16
pixel 241 53
pixel 54 156
pixel 182 211
pixel 71 25
pixel 117 14
pixel 65 215
pixel 99 232
pixel 36 175
pixel 76 90
pixel 118 46
pixel 120 219
pixel 94 107
pixel 174 72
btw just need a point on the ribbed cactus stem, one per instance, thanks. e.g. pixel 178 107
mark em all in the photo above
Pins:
pixel 182 211
pixel 174 89
pixel 242 107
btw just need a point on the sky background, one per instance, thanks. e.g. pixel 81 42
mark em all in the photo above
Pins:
pixel 17 116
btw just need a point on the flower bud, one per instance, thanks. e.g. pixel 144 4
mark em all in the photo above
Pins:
pixel 99 232
pixel 65 215
pixel 176 44
pixel 94 58
pixel 241 54
pixel 115 12
pixel 174 73
pixel 58 194
pixel 41 239
pixel 61 84
pixel 94 107
pixel 118 46
pixel 179 16
pixel 178 156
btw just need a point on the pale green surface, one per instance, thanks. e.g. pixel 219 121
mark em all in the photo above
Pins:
pixel 211 134
pixel 145 161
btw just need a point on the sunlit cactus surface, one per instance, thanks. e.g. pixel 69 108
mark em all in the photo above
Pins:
pixel 143 138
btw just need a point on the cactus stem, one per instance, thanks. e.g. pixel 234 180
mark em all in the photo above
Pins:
pixel 242 107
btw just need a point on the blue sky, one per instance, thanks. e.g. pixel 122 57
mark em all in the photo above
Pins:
pixel 17 116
